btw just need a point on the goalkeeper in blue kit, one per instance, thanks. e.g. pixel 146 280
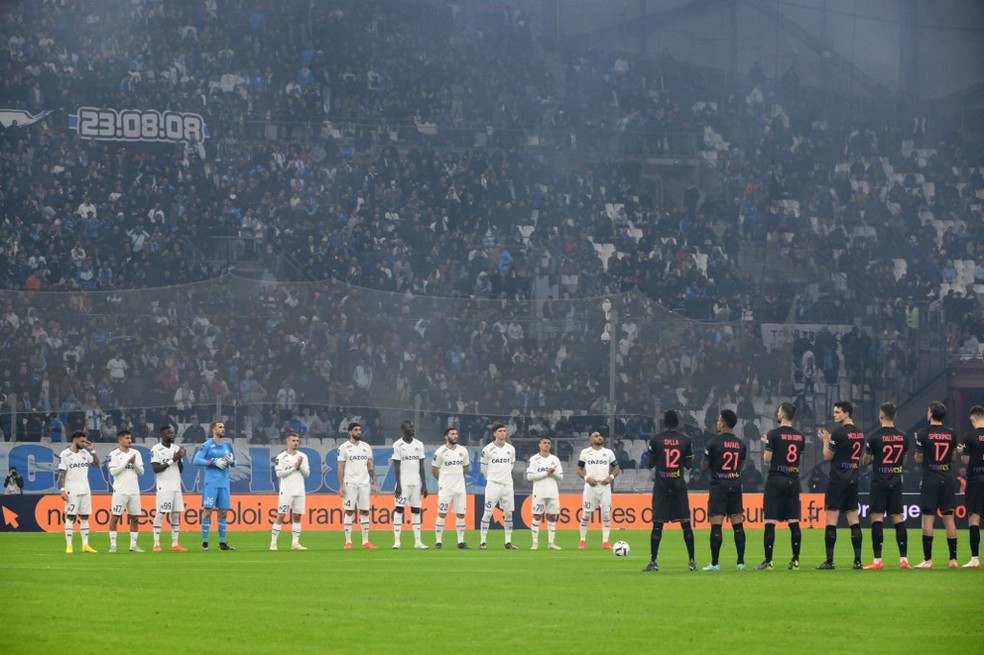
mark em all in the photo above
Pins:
pixel 216 456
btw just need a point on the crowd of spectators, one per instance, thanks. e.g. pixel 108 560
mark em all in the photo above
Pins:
pixel 407 150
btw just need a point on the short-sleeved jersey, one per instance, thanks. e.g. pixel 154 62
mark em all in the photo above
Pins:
pixel 215 477
pixel 498 462
pixel 356 457
pixel 725 455
pixel 597 462
pixel 936 443
pixel 974 449
pixel 786 445
pixel 672 454
pixel 125 474
pixel 847 443
pixel 409 455
pixel 170 478
pixel 545 485
pixel 76 467
pixel 450 464
pixel 887 447
pixel 291 476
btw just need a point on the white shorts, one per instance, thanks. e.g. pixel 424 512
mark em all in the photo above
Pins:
pixel 290 504
pixel 78 505
pixel 454 497
pixel 128 502
pixel 499 494
pixel 170 501
pixel 597 496
pixel 356 497
pixel 545 505
pixel 411 496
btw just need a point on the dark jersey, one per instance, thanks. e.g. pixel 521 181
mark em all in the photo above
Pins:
pixel 936 443
pixel 786 446
pixel 974 448
pixel 887 447
pixel 670 453
pixel 725 454
pixel 847 443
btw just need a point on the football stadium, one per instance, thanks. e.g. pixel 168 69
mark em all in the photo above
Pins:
pixel 499 326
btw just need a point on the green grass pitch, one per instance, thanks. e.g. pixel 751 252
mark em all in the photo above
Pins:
pixel 327 600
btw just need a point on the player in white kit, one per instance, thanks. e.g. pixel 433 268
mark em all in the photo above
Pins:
pixel 126 466
pixel 449 467
pixel 411 485
pixel 497 462
pixel 292 468
pixel 598 467
pixel 355 475
pixel 73 484
pixel 167 460
pixel 546 473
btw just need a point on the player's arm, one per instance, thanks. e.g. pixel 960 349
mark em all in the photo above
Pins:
pixel 423 479
pixel 396 473
pixel 158 463
pixel 372 475
pixel 61 480
pixel 199 459
pixel 705 461
pixel 138 464
pixel 305 467
pixel 483 461
pixel 651 460
pixel 558 472
pixel 614 472
pixel 179 459
pixel 828 450
pixel 533 475
pixel 688 460
pixel 341 477
pixel 284 467
pixel 918 455
pixel 581 472
pixel 116 464
pixel 92 451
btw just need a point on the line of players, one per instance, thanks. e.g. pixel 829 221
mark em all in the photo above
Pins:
pixel 847 449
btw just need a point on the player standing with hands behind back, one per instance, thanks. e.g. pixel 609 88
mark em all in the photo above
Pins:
pixel 936 446
pixel 292 469
pixel 216 456
pixel 598 467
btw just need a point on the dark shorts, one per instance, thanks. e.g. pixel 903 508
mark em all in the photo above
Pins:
pixel 936 494
pixel 782 499
pixel 841 496
pixel 725 499
pixel 886 496
pixel 974 498
pixel 670 501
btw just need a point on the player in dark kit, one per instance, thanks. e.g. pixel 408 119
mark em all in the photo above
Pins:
pixel 842 448
pixel 783 450
pixel 724 457
pixel 972 452
pixel 670 453
pixel 936 446
pixel 886 450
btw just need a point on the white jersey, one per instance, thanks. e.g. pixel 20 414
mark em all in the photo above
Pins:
pixel 409 455
pixel 545 485
pixel 124 473
pixel 597 463
pixel 170 478
pixel 356 457
pixel 76 467
pixel 497 463
pixel 450 464
pixel 291 476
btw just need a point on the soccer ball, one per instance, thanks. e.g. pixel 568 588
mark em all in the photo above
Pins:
pixel 621 549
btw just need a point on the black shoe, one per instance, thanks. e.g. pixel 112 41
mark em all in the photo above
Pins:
pixel 509 546
pixel 483 545
pixel 204 545
pixel 826 566
pixel 794 565
pixel 224 546
pixel 857 566
pixel 652 566
pixel 766 565
pixel 463 546
pixel 692 565
pixel 438 545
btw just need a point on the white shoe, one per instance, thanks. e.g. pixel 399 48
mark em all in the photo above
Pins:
pixel 297 547
pixel 112 549
pixel 974 563
pixel 273 546
pixel 534 546
pixel 420 546
pixel 554 547
pixel 925 564
pixel 396 546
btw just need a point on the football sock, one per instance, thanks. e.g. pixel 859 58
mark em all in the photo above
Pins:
pixel 295 532
pixel 535 530
pixel 769 540
pixel 486 520
pixel 175 527
pixel 397 524
pixel 856 540
pixel 508 526
pixel 740 541
pixel 275 532
pixel 951 544
pixel 158 522
pixel 877 538
pixel 829 541
pixel 347 523
pixel 795 538
pixel 206 527
pixel 688 538
pixel 975 540
pixel 459 527
pixel 584 527
pixel 716 539
pixel 415 521
pixel 69 529
pixel 364 524
pixel 606 525
pixel 654 538
pixel 84 531
pixel 223 524
pixel 133 540
pixel 438 530
pixel 551 530
pixel 902 539
pixel 112 538
pixel 927 547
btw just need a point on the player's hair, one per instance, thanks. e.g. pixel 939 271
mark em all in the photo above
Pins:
pixel 937 410
pixel 447 431
pixel 122 433
pixel 729 417
pixel 889 410
pixel 211 426
pixel 845 406
pixel 165 427
pixel 671 419
pixel 290 434
pixel 353 425
pixel 977 412
pixel 77 434
pixel 496 426
pixel 545 437
pixel 788 410
pixel 406 426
